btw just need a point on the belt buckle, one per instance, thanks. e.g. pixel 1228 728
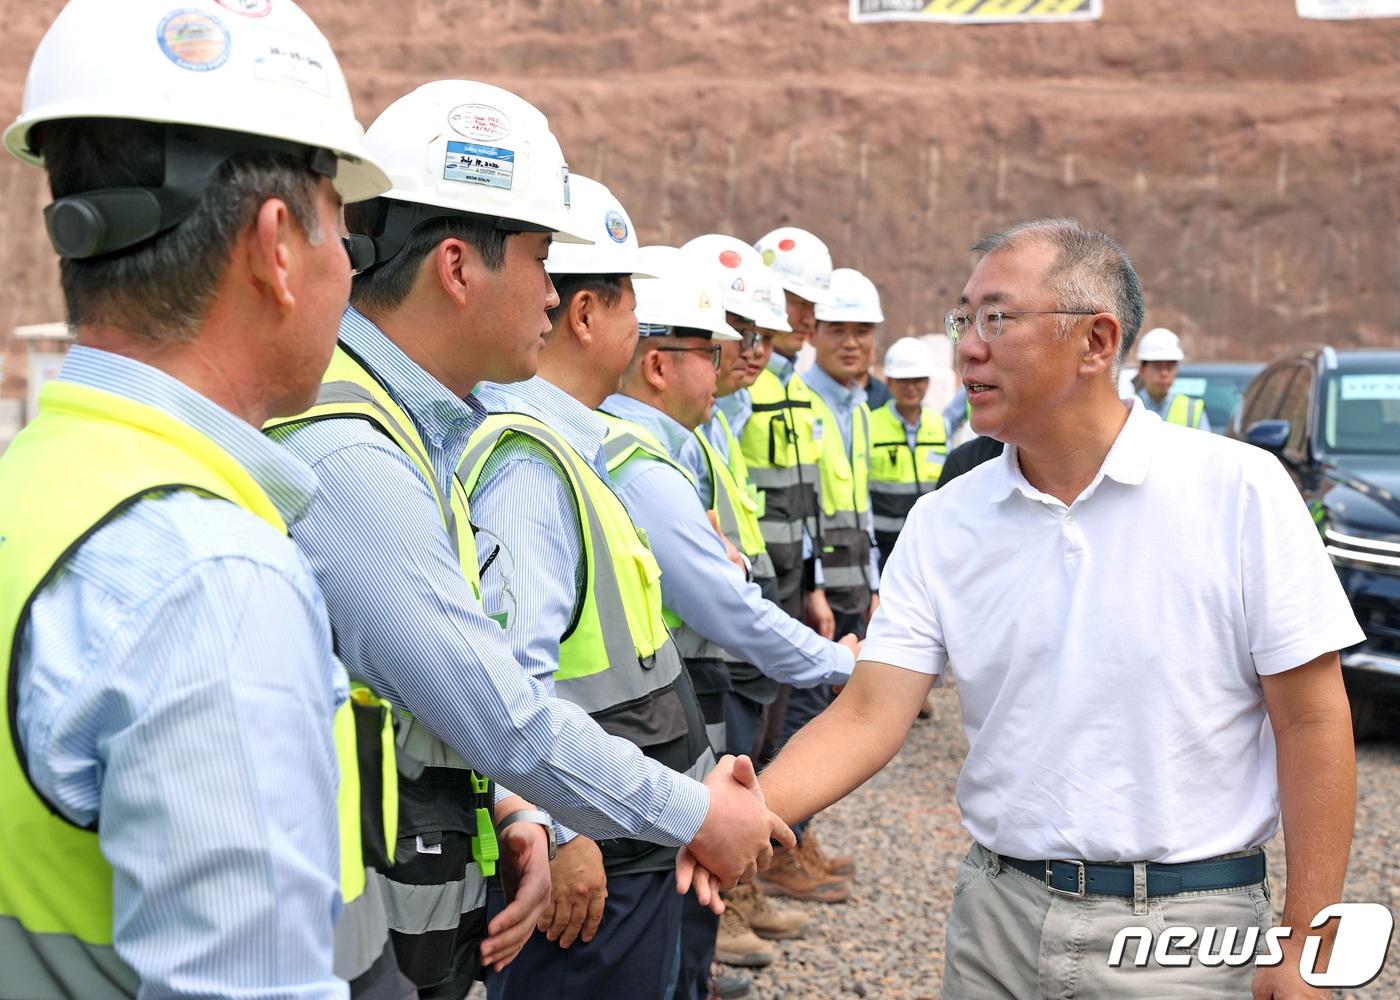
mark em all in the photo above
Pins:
pixel 1050 871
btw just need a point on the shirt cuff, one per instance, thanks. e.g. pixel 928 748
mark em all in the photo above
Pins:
pixel 562 834
pixel 683 814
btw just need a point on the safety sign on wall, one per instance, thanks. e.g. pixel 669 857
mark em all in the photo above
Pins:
pixel 1343 10
pixel 977 11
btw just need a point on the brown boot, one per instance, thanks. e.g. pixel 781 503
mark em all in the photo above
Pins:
pixel 818 860
pixel 738 945
pixel 763 918
pixel 788 876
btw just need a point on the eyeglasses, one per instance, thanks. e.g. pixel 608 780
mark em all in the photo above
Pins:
pixel 713 352
pixel 498 555
pixel 990 320
pixel 748 335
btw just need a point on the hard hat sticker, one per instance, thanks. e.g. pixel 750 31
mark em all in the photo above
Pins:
pixel 472 164
pixel 616 226
pixel 290 59
pixel 193 40
pixel 248 8
pixel 479 121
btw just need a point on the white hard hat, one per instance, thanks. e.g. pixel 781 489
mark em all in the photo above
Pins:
pixel 854 299
pixel 681 295
pixel 909 357
pixel 801 261
pixel 751 290
pixel 1160 344
pixel 471 147
pixel 597 214
pixel 257 67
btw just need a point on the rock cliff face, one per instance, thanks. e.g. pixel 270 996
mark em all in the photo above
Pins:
pixel 1247 159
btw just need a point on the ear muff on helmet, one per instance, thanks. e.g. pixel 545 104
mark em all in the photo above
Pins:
pixel 109 220
pixel 388 223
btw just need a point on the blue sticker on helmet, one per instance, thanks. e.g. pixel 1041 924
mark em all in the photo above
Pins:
pixel 194 40
pixel 616 225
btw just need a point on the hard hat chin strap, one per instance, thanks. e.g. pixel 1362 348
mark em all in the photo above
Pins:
pixel 107 220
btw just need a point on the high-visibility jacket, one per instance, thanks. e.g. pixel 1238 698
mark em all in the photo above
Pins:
pixel 705 664
pixel 84 459
pixel 845 499
pixel 899 473
pixel 735 506
pixel 782 455
pixel 1185 410
pixel 444 804
pixel 616 660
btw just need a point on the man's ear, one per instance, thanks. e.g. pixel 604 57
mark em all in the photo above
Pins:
pixel 1101 345
pixel 455 267
pixel 653 369
pixel 273 251
pixel 582 313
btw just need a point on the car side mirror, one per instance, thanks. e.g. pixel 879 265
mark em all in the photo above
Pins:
pixel 1271 435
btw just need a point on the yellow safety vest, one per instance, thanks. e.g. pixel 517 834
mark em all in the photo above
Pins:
pixel 85 458
pixel 734 499
pixel 616 660
pixel 439 792
pixel 899 474
pixel 845 498
pixel 1185 410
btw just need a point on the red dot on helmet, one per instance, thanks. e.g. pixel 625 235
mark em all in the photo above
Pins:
pixel 730 258
pixel 786 244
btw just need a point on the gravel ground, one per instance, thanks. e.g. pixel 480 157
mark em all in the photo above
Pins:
pixel 903 829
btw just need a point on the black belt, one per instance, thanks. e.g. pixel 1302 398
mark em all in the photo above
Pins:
pixel 1076 878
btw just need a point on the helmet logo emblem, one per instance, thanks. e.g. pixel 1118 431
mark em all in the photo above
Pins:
pixel 705 302
pixel 787 244
pixel 479 121
pixel 193 40
pixel 730 258
pixel 768 257
pixel 616 226
pixel 248 8
pixel 738 285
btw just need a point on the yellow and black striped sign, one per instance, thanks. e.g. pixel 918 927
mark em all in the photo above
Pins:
pixel 976 11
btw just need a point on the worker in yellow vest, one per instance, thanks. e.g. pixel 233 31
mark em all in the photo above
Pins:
pixel 458 294
pixel 1159 354
pixel 166 657
pixel 583 613
pixel 908 442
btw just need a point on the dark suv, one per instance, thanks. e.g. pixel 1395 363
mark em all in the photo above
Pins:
pixel 1333 418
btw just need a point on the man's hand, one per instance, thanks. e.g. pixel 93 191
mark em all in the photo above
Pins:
pixel 818 614
pixel 1284 982
pixel 735 839
pixel 525 877
pixel 580 889
pixel 735 556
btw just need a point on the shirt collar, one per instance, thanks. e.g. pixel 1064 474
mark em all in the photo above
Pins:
pixel 781 367
pixel 735 405
pixel 843 397
pixel 288 481
pixel 581 427
pixel 668 431
pixel 1127 461
pixel 438 413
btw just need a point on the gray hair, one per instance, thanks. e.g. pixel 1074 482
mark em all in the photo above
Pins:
pixel 1091 271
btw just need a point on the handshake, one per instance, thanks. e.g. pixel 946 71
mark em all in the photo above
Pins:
pixel 736 840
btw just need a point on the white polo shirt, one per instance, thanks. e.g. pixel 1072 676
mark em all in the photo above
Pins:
pixel 1108 653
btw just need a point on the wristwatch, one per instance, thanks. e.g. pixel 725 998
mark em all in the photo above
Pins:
pixel 531 816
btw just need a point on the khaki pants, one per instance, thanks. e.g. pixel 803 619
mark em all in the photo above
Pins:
pixel 1010 938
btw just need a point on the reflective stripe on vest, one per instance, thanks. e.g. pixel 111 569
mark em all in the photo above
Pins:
pixel 899 474
pixel 617 660
pixel 460 801
pixel 845 499
pixel 87 457
pixel 1186 411
pixel 782 456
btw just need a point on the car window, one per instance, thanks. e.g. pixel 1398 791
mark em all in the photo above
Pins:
pixel 1293 407
pixel 1361 413
pixel 1262 402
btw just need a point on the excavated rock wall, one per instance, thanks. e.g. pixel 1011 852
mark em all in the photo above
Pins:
pixel 1246 158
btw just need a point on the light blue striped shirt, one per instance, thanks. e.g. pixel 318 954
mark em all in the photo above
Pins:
pixel 176 683
pixel 738 408
pixel 843 401
pixel 698 582
pixel 408 624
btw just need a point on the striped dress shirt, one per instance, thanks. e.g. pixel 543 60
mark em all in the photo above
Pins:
pixel 408 624
pixel 176 684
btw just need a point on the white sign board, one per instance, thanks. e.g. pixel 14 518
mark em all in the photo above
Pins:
pixel 1345 10
pixel 43 367
pixel 976 11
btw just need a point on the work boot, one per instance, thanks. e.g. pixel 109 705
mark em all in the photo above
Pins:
pixel 763 918
pixel 818 860
pixel 738 945
pixel 723 986
pixel 788 876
